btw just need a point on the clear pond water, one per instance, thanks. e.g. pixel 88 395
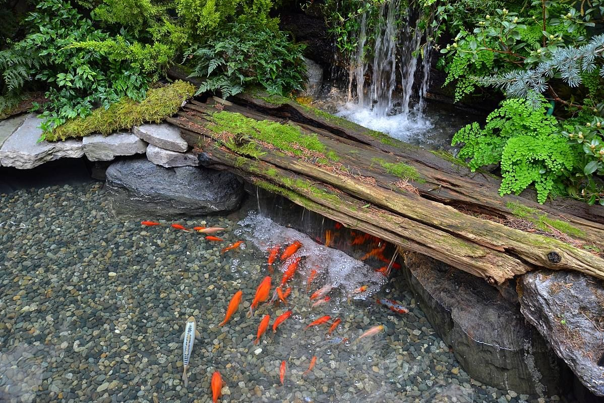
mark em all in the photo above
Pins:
pixel 93 308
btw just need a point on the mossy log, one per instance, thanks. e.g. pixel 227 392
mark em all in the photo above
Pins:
pixel 392 195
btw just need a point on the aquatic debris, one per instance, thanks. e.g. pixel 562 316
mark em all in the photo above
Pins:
pixel 262 293
pixel 334 325
pixel 282 371
pixel 321 302
pixel 262 327
pixel 231 247
pixel 371 332
pixel 312 365
pixel 392 305
pixel 319 321
pixel 280 320
pixel 150 223
pixel 217 384
pixel 214 238
pixel 233 305
pixel 323 291
pixel 290 250
pixel 188 336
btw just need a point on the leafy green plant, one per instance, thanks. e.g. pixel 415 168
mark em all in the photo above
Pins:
pixel 15 70
pixel 526 142
pixel 244 54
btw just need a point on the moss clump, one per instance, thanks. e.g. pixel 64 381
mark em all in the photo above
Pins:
pixel 285 137
pixel 542 221
pixel 399 169
pixel 126 113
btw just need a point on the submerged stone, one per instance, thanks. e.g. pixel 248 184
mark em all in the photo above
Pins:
pixel 142 189
pixel 568 310
pixel 488 334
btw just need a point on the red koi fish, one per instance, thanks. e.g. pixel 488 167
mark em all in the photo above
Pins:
pixel 290 250
pixel 262 328
pixel 373 331
pixel 273 252
pixel 291 270
pixel 233 305
pixel 217 384
pixel 150 223
pixel 214 238
pixel 262 293
pixel 211 230
pixel 178 226
pixel 311 277
pixel 280 320
pixel 321 302
pixel 311 366
pixel 282 371
pixel 334 325
pixel 323 291
pixel 392 305
pixel 233 246
pixel 319 321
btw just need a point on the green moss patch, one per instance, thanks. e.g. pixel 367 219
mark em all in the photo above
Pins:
pixel 160 103
pixel 285 137
pixel 399 169
pixel 542 221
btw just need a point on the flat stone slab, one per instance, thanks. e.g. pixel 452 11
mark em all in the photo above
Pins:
pixel 141 189
pixel 105 148
pixel 8 126
pixel 171 159
pixel 22 150
pixel 568 310
pixel 163 136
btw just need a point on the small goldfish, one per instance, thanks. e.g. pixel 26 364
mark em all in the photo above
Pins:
pixel 392 305
pixel 211 230
pixel 262 293
pixel 273 252
pixel 231 247
pixel 334 325
pixel 312 365
pixel 178 226
pixel 311 277
pixel 290 250
pixel 377 253
pixel 328 238
pixel 214 238
pixel 262 328
pixel 383 270
pixel 291 270
pixel 360 239
pixel 361 289
pixel 320 321
pixel 233 305
pixel 217 384
pixel 371 332
pixel 198 228
pixel 280 320
pixel 149 223
pixel 323 291
pixel 321 302
pixel 283 295
pixel 282 371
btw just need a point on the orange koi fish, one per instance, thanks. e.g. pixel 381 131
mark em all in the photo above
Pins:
pixel 287 292
pixel 233 305
pixel 283 295
pixel 214 238
pixel 282 371
pixel 373 331
pixel 211 230
pixel 273 252
pixel 311 277
pixel 280 320
pixel 149 223
pixel 312 365
pixel 233 246
pixel 321 302
pixel 217 384
pixel 178 226
pixel 261 293
pixel 291 270
pixel 319 321
pixel 262 328
pixel 290 250
pixel 361 289
pixel 392 305
pixel 323 291
pixel 334 325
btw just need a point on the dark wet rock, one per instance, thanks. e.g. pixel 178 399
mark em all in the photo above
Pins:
pixel 568 310
pixel 488 334
pixel 311 30
pixel 140 188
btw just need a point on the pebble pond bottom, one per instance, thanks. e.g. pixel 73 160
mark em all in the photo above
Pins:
pixel 93 308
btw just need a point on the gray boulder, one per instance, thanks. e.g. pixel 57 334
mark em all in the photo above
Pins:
pixel 314 80
pixel 568 310
pixel 490 338
pixel 105 148
pixel 163 135
pixel 139 188
pixel 171 159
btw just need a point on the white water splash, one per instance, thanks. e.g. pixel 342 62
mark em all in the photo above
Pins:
pixel 333 266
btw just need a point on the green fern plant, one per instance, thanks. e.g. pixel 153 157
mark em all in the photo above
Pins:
pixel 15 70
pixel 526 142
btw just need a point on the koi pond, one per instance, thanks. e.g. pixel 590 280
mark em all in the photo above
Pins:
pixel 93 309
